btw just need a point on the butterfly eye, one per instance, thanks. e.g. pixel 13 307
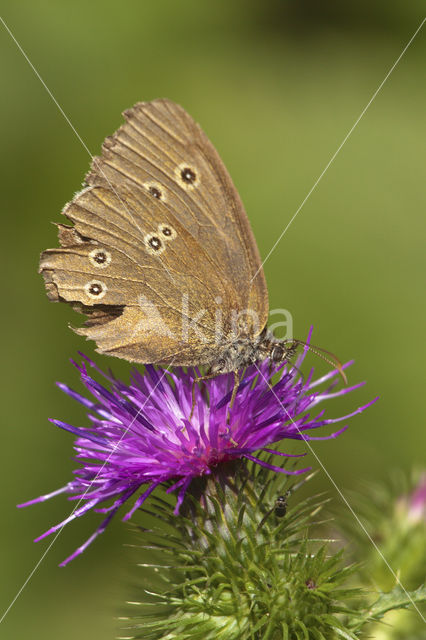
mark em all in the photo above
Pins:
pixel 166 231
pixel 95 289
pixel 100 258
pixel 154 244
pixel 277 353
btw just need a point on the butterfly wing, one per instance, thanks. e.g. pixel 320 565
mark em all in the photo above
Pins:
pixel 159 181
pixel 140 299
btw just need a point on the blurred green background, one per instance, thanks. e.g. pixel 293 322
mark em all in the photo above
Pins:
pixel 276 85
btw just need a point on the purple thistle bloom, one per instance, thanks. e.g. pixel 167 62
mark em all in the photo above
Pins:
pixel 142 433
pixel 417 501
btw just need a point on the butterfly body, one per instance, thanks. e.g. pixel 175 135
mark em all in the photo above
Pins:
pixel 246 351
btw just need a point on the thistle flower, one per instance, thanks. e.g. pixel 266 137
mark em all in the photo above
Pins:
pixel 234 566
pixel 394 516
pixel 417 502
pixel 393 567
pixel 240 563
pixel 148 433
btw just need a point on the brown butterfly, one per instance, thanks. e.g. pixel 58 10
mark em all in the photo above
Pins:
pixel 161 257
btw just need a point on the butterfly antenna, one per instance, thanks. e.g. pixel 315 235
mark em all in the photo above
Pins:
pixel 331 359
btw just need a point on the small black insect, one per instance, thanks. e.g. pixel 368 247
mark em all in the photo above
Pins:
pixel 279 508
pixel 281 505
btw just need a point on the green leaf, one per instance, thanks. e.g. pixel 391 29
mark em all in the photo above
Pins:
pixel 398 598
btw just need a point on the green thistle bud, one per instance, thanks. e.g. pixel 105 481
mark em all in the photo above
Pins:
pixel 238 564
pixel 392 557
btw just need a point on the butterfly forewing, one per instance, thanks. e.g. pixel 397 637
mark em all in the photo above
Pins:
pixel 157 142
pixel 160 237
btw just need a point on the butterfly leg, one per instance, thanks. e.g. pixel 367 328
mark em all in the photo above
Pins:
pixel 235 389
pixel 208 376
pixel 234 394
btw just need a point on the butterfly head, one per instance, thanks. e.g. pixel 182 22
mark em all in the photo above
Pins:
pixel 278 351
pixel 282 351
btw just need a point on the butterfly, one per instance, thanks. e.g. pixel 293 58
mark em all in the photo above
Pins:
pixel 160 255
